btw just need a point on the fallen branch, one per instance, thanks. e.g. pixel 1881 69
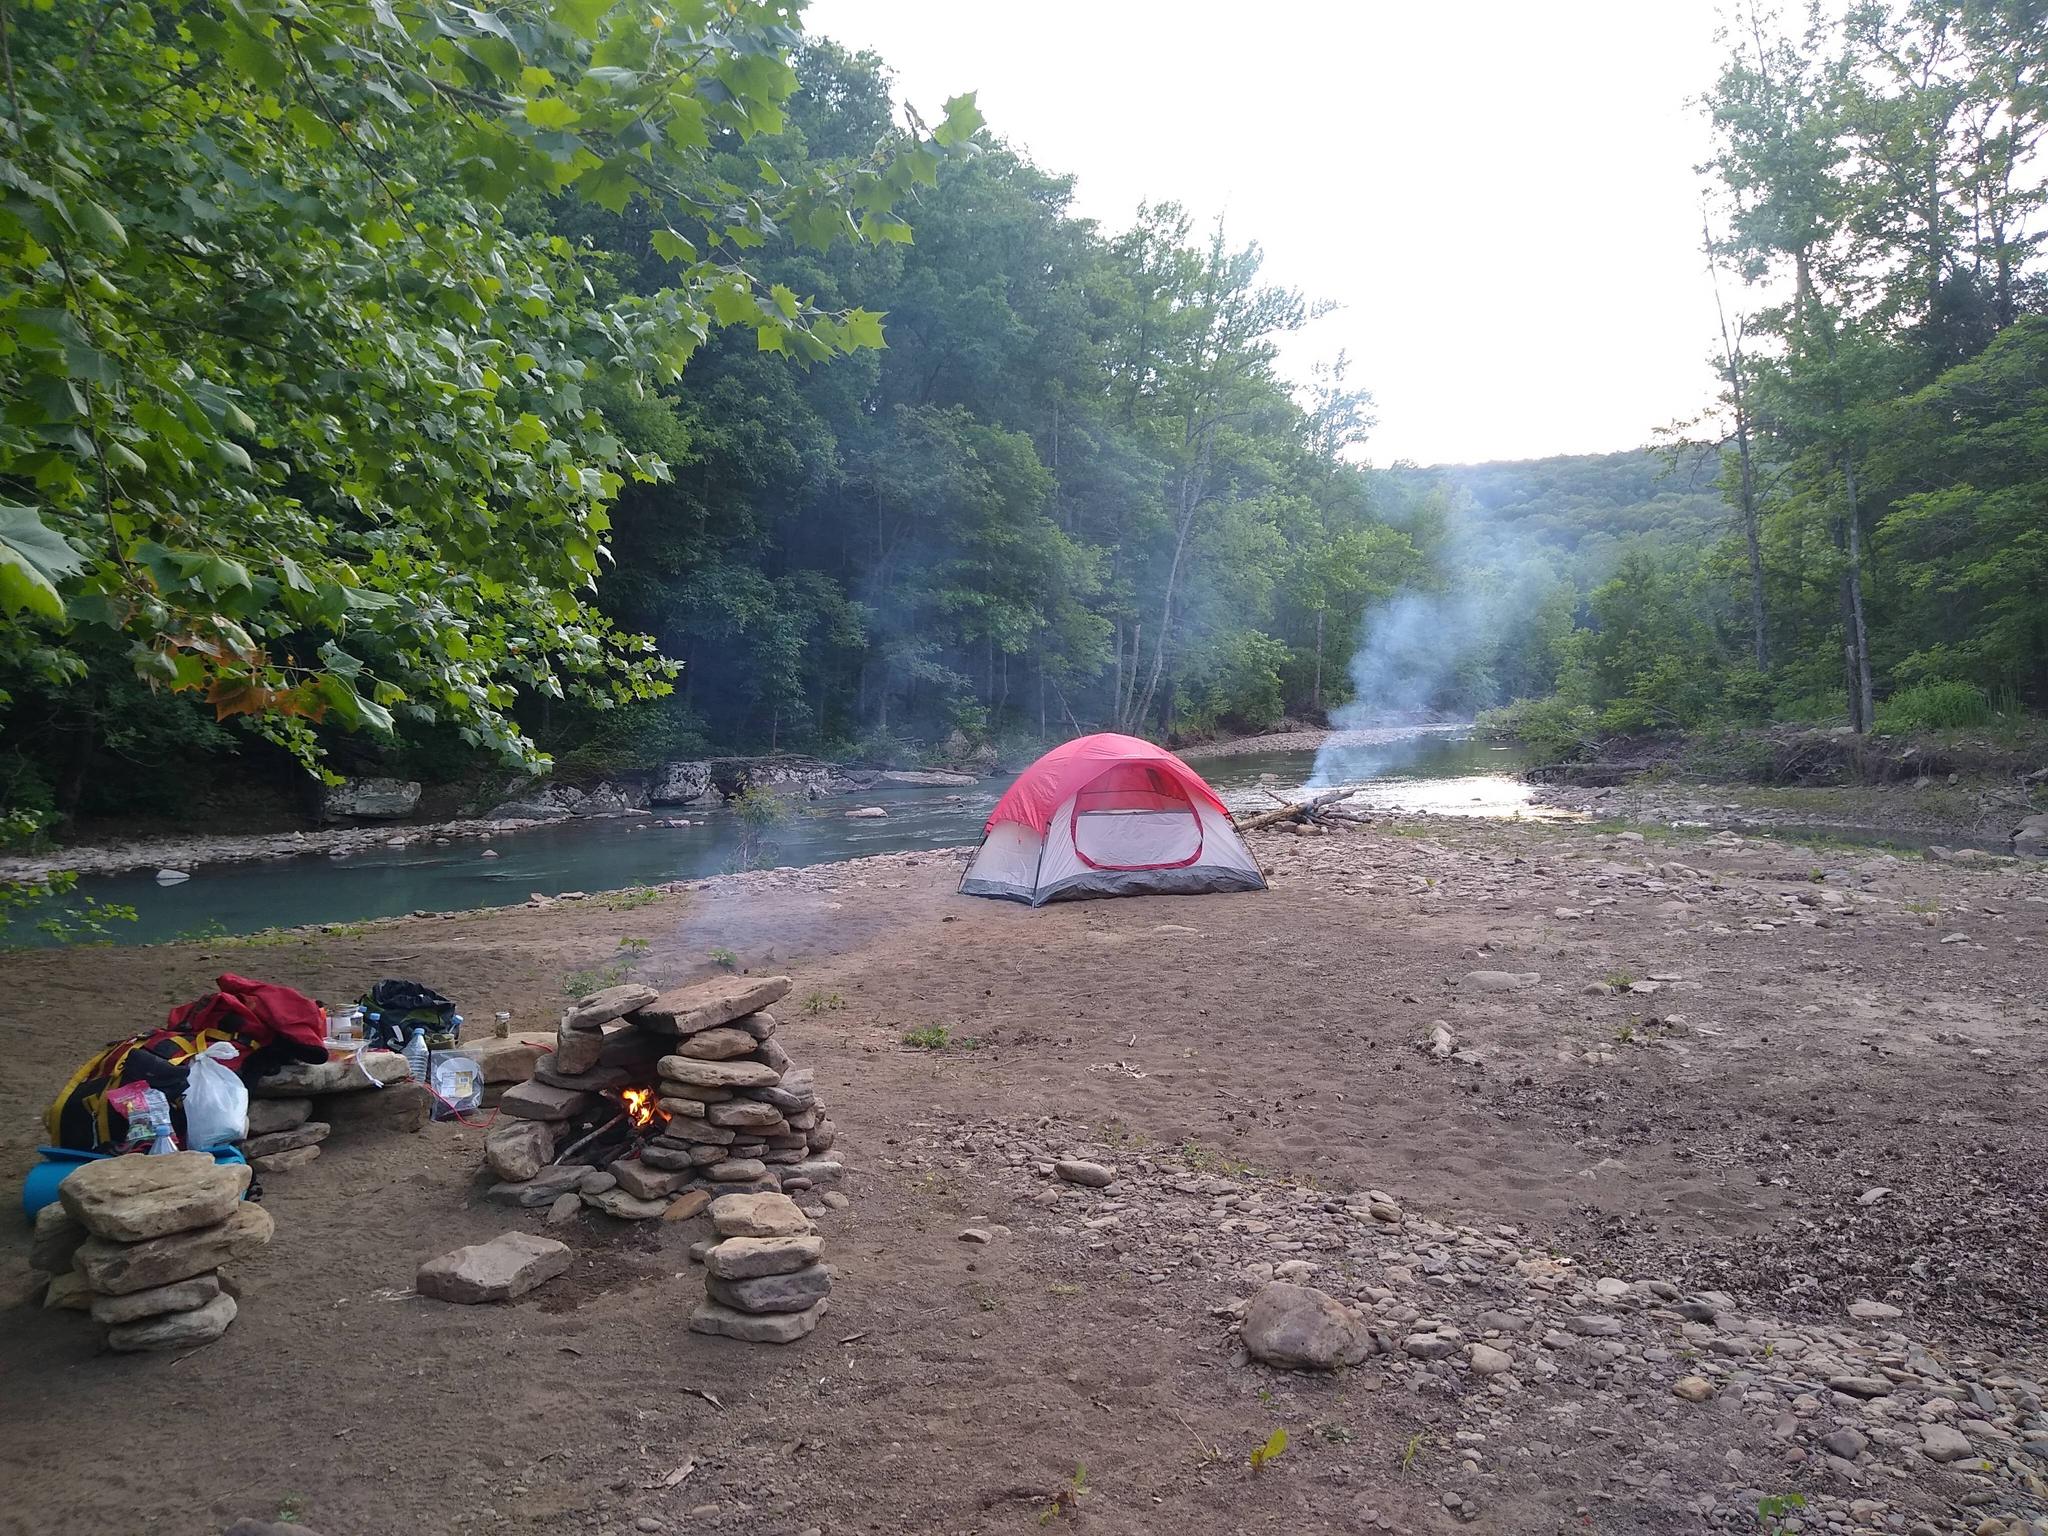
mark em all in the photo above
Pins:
pixel 1301 810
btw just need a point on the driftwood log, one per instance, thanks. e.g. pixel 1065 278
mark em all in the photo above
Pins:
pixel 1319 807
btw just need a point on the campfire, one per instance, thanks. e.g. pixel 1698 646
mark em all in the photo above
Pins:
pixel 635 1120
pixel 679 1098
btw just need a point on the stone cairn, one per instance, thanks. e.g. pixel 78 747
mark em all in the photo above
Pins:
pixel 139 1241
pixel 722 1108
pixel 763 1279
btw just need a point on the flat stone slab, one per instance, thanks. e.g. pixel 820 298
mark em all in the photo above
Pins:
pixel 175 1330
pixel 306 1079
pixel 269 1116
pixel 721 1043
pixel 708 1004
pixel 746 1114
pixel 508 1266
pixel 820 1171
pixel 130 1199
pixel 718 1074
pixel 758 1216
pixel 595 1080
pixel 540 1101
pixel 755 1328
pixel 647 1183
pixel 683 1109
pixel 178 1296
pixel 311 1134
pixel 285 1162
pixel 600 1008
pixel 115 1268
pixel 796 1092
pixel 747 1258
pixel 542 1188
pixel 796 1290
pixel 625 1205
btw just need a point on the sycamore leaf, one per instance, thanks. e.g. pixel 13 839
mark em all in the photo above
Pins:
pixel 672 246
pixel 550 112
pixel 864 328
pixel 33 559
pixel 963 120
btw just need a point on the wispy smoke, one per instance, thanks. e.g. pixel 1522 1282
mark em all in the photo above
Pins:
pixel 1428 654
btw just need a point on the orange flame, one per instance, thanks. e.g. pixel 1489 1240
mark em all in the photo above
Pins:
pixel 639 1106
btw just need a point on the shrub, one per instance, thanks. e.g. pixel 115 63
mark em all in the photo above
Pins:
pixel 1934 707
pixel 1553 729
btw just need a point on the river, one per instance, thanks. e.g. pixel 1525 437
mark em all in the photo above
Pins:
pixel 1438 772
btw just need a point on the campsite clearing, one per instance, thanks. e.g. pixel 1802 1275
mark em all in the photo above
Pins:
pixel 1707 1057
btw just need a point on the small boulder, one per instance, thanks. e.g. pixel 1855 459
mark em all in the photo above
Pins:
pixel 1076 1171
pixel 506 1267
pixel 1301 1328
pixel 1944 1442
pixel 1488 1361
pixel 1694 1389
pixel 517 1150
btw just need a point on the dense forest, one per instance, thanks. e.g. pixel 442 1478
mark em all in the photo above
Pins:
pixel 594 384
pixel 1873 234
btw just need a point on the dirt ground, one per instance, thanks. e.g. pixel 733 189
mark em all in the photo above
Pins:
pixel 1711 1053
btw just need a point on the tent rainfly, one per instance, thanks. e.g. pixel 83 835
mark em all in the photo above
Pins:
pixel 1109 815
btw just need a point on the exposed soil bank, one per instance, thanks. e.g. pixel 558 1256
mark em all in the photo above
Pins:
pixel 1964 790
pixel 1781 1047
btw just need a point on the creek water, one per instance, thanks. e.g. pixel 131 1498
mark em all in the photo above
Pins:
pixel 1439 772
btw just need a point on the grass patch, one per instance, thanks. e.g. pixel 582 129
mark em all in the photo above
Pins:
pixel 615 970
pixel 937 1037
pixel 823 1002
pixel 631 897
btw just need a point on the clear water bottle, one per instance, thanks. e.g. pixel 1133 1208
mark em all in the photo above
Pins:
pixel 159 1114
pixel 416 1054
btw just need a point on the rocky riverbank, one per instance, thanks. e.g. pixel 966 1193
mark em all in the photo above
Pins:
pixel 1650 1182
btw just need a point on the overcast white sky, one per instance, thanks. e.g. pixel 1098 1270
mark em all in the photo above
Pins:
pixel 1500 194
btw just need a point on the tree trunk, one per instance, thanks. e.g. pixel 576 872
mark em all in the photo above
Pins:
pixel 1864 712
pixel 1752 533
pixel 1315 697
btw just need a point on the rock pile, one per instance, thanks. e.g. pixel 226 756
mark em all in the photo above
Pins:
pixel 763 1279
pixel 139 1242
pixel 294 1110
pixel 731 1113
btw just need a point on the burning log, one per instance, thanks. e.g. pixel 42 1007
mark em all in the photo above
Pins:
pixel 1317 808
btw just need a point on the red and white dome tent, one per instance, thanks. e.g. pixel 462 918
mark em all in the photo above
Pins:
pixel 1109 815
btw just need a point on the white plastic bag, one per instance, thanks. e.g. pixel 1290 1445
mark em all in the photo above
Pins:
pixel 216 1100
